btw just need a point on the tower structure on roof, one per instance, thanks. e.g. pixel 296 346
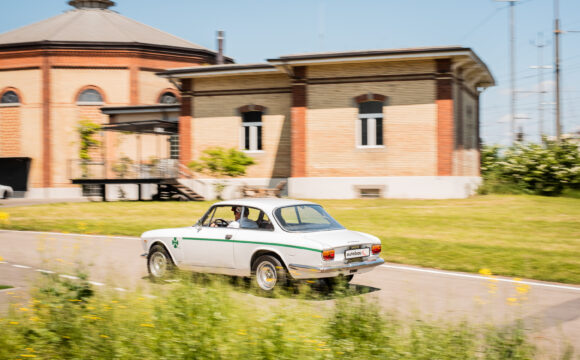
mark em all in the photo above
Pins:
pixel 92 4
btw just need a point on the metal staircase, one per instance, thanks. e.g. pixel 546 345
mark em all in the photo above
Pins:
pixel 171 189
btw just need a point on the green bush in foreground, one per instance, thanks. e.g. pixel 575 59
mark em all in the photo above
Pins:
pixel 188 320
pixel 542 169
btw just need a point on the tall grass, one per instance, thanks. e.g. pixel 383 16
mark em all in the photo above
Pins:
pixel 66 319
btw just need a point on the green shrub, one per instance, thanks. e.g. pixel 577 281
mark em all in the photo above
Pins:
pixel 65 319
pixel 546 169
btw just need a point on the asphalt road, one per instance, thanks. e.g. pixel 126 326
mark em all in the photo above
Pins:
pixel 550 311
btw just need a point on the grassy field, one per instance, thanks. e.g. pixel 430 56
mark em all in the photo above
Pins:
pixel 524 236
pixel 67 319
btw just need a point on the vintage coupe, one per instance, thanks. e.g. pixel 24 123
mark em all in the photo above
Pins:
pixel 271 240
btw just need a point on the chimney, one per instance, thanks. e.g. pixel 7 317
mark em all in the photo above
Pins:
pixel 220 43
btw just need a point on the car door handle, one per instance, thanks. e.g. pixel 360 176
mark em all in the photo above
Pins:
pixel 228 236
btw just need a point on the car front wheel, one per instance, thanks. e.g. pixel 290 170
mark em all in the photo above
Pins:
pixel 159 263
pixel 268 271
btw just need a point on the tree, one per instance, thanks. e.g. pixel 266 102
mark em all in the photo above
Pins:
pixel 222 163
pixel 87 131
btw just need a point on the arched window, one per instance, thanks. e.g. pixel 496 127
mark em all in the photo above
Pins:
pixel 168 98
pixel 90 96
pixel 10 97
pixel 370 120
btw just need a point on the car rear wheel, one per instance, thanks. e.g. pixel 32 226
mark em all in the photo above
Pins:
pixel 159 263
pixel 268 271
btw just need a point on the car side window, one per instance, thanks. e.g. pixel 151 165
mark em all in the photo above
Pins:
pixel 256 219
pixel 220 212
pixel 208 217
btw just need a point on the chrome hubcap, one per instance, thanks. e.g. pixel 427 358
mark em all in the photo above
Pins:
pixel 158 264
pixel 266 276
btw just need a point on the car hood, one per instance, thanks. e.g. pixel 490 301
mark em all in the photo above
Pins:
pixel 338 238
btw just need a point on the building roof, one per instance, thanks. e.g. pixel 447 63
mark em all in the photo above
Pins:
pixel 226 69
pixel 461 55
pixel 92 23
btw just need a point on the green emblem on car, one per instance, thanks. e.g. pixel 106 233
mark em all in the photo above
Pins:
pixel 175 243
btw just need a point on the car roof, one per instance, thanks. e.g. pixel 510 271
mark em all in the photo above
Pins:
pixel 266 204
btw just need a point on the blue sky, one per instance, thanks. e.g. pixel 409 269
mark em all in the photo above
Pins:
pixel 261 29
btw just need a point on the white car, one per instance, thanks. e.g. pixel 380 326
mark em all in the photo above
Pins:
pixel 6 191
pixel 272 240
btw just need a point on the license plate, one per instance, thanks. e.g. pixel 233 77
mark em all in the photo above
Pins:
pixel 356 253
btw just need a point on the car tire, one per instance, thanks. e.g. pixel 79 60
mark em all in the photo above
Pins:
pixel 267 272
pixel 159 263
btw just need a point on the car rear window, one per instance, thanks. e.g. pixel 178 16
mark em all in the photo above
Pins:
pixel 305 218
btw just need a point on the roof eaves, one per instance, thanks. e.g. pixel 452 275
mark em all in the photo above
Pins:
pixel 220 70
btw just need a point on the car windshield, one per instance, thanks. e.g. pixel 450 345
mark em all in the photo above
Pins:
pixel 305 218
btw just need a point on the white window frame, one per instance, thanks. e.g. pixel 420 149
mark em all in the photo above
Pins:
pixel 371 131
pixel 253 136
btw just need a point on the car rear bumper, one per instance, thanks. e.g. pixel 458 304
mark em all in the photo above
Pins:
pixel 306 271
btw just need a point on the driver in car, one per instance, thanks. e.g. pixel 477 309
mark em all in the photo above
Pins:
pixel 242 221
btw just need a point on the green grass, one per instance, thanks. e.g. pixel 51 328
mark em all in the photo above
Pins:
pixel 524 236
pixel 4 287
pixel 66 319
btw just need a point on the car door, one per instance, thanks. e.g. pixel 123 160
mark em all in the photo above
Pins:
pixel 209 246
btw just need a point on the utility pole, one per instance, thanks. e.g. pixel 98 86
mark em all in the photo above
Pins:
pixel 512 69
pixel 540 44
pixel 557 33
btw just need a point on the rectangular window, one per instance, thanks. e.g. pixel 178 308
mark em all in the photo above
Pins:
pixel 252 130
pixel 371 130
pixel 370 124
pixel 174 146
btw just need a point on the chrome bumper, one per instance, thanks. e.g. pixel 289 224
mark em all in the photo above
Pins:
pixel 326 269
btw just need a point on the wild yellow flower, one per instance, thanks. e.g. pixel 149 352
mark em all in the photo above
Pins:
pixel 28 355
pixel 485 272
pixel 147 325
pixel 23 309
pixel 65 337
pixel 523 289
pixel 1 258
pixel 29 349
pixel 13 323
pixel 104 336
pixel 4 218
pixel 512 300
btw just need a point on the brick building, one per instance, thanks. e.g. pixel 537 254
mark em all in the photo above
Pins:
pixel 59 71
pixel 388 123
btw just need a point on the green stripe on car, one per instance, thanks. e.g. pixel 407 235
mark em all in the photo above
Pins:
pixel 254 242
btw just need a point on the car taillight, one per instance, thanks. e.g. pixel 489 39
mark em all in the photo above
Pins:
pixel 328 254
pixel 376 249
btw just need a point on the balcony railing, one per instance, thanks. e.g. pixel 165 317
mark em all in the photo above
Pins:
pixel 124 169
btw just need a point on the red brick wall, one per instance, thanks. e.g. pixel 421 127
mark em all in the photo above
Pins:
pixel 445 111
pixel 10 130
pixel 298 123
